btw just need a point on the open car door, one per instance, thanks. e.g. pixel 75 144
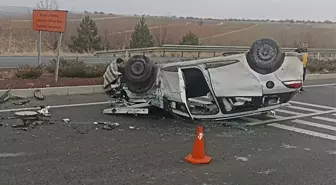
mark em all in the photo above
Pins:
pixel 182 91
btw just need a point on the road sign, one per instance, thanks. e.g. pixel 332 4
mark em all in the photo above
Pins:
pixel 50 20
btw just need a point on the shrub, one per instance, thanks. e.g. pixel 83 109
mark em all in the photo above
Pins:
pixel 52 65
pixel 77 69
pixel 189 39
pixel 96 70
pixel 29 72
pixel 321 66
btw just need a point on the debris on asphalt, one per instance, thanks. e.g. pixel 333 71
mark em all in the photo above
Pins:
pixel 66 120
pixel 95 123
pixel 331 152
pixel 109 125
pixel 235 125
pixel 288 146
pixel 106 127
pixel 19 126
pixel 266 172
pixel 241 158
pixel 31 119
pixel 38 94
pixel 131 127
pixel 21 102
pixel 27 115
pixel 5 96
pixel 45 111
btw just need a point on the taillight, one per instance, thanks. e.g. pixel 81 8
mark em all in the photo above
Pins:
pixel 293 84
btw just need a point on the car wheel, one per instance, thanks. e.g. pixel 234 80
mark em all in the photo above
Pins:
pixel 265 56
pixel 139 74
pixel 143 87
pixel 138 69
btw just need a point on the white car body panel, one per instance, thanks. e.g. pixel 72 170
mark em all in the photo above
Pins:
pixel 234 80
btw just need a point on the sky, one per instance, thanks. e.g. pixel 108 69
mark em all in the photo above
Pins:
pixel 253 9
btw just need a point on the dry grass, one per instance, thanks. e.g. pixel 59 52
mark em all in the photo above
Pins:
pixel 18 38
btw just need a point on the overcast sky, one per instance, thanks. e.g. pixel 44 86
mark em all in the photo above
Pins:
pixel 266 9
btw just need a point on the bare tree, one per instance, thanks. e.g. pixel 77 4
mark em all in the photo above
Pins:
pixel 106 42
pixel 161 35
pixel 309 39
pixel 50 39
pixel 48 5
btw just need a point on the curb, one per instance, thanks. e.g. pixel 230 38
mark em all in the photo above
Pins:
pixel 57 91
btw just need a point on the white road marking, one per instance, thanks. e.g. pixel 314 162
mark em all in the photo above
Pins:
pixel 303 108
pixel 312 105
pixel 55 106
pixel 292 117
pixel 325 119
pixel 3 155
pixel 288 112
pixel 303 131
pixel 320 85
pixel 303 122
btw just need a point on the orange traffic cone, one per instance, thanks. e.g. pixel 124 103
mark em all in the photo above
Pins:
pixel 198 153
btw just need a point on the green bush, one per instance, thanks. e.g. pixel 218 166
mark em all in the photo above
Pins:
pixel 77 69
pixel 29 72
pixel 52 65
pixel 321 66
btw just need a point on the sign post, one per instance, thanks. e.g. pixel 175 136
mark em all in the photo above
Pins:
pixel 39 48
pixel 50 21
pixel 58 56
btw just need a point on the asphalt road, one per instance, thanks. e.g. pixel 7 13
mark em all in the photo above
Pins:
pixel 16 61
pixel 80 152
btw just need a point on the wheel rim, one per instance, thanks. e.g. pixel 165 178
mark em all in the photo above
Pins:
pixel 138 67
pixel 265 54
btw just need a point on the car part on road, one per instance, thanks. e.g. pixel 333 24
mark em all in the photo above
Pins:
pixel 27 114
pixel 38 94
pixel 5 96
pixel 45 111
pixel 66 120
pixel 21 102
pixel 110 126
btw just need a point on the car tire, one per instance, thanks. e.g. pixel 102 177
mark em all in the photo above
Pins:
pixel 139 74
pixel 138 69
pixel 265 56
pixel 141 88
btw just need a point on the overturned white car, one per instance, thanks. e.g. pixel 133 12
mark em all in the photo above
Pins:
pixel 257 81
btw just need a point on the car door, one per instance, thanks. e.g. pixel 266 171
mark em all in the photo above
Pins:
pixel 233 79
pixel 182 91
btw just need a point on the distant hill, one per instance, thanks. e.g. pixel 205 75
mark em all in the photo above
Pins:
pixel 10 12
pixel 24 13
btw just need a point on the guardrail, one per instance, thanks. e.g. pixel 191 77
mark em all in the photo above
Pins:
pixel 313 52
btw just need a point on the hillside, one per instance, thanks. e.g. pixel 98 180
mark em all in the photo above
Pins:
pixel 14 12
pixel 16 35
